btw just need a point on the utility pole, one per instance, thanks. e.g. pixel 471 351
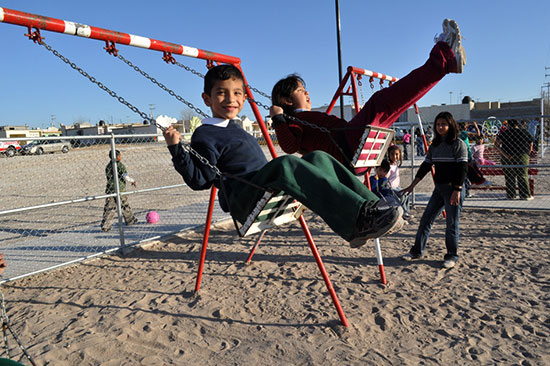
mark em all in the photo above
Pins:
pixel 151 109
pixel 339 56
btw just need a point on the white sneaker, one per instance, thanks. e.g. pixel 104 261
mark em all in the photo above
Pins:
pixel 449 263
pixel 451 35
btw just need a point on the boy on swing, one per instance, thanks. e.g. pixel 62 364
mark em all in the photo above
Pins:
pixel 290 97
pixel 317 180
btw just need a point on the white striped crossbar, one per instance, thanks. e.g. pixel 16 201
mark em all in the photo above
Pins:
pixel 372 147
pixel 86 31
pixel 273 209
pixel 375 74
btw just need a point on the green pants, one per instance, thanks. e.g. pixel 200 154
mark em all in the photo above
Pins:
pixel 317 180
pixel 519 175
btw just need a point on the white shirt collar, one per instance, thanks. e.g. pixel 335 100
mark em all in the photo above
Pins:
pixel 218 122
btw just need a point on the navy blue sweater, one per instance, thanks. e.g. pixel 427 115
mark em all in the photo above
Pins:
pixel 230 148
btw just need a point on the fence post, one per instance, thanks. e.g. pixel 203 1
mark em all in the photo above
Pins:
pixel 117 192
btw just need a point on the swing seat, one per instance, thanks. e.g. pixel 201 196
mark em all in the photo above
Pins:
pixel 372 148
pixel 272 209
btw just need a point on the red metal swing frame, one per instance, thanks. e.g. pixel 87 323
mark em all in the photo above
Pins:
pixel 39 22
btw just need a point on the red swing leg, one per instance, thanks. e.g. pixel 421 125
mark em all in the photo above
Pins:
pixel 255 246
pixel 324 273
pixel 205 238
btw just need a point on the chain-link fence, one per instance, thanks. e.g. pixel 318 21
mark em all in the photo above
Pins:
pixel 509 167
pixel 53 192
pixel 53 198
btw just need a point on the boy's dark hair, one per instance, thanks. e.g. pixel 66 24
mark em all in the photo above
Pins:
pixel 221 72
pixel 452 135
pixel 385 164
pixel 283 89
pixel 117 153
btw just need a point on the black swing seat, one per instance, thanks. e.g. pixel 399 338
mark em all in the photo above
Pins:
pixel 372 148
pixel 272 209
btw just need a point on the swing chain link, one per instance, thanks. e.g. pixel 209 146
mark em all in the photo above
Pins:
pixel 162 86
pixel 128 104
pixel 195 72
pixel 192 71
pixel 98 83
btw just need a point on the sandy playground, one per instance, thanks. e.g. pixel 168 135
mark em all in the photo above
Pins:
pixel 493 308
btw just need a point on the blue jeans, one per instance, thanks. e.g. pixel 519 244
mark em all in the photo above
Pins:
pixel 440 200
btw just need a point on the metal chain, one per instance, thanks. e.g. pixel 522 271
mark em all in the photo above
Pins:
pixel 195 72
pixel 186 146
pixel 162 86
pixel 361 91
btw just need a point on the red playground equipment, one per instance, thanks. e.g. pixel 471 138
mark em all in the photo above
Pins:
pixel 112 38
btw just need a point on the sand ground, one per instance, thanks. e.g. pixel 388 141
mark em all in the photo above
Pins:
pixel 493 308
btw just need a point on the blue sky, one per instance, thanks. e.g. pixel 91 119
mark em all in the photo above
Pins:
pixel 507 44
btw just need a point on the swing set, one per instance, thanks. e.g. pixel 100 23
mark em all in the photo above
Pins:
pixel 272 209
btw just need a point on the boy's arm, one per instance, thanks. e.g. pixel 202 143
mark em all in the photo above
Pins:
pixel 197 175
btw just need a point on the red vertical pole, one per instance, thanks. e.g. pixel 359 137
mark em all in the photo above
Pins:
pixel 338 92
pixel 205 238
pixel 324 273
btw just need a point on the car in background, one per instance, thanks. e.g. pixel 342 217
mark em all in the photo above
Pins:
pixel 9 148
pixel 45 146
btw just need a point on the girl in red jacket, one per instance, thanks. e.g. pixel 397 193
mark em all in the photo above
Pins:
pixel 290 98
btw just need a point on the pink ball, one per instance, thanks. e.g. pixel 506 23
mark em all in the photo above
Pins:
pixel 152 217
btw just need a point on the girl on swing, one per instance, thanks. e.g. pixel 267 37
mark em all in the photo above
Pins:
pixel 290 98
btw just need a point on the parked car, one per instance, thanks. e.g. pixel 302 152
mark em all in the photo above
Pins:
pixel 9 148
pixel 46 146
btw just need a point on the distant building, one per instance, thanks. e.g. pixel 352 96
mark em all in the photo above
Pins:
pixel 18 132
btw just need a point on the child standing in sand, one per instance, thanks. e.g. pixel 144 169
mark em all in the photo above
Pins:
pixel 317 180
pixel 110 202
pixel 449 156
pixel 290 98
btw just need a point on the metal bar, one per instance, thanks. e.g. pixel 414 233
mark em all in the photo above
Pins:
pixel 338 91
pixel 374 74
pixel 117 191
pixel 205 238
pixel 380 261
pixel 86 31
pixel 324 273
pixel 339 44
pixel 89 198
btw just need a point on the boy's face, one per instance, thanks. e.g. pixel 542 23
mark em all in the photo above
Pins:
pixel 381 172
pixel 300 98
pixel 226 100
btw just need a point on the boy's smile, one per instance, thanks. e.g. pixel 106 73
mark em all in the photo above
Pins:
pixel 226 100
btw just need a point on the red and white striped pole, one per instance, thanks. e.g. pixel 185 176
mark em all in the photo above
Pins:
pixel 87 31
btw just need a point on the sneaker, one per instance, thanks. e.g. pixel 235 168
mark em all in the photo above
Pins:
pixel 105 229
pixel 396 227
pixel 486 183
pixel 375 221
pixel 409 257
pixel 530 198
pixel 451 35
pixel 449 263
pixel 407 216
